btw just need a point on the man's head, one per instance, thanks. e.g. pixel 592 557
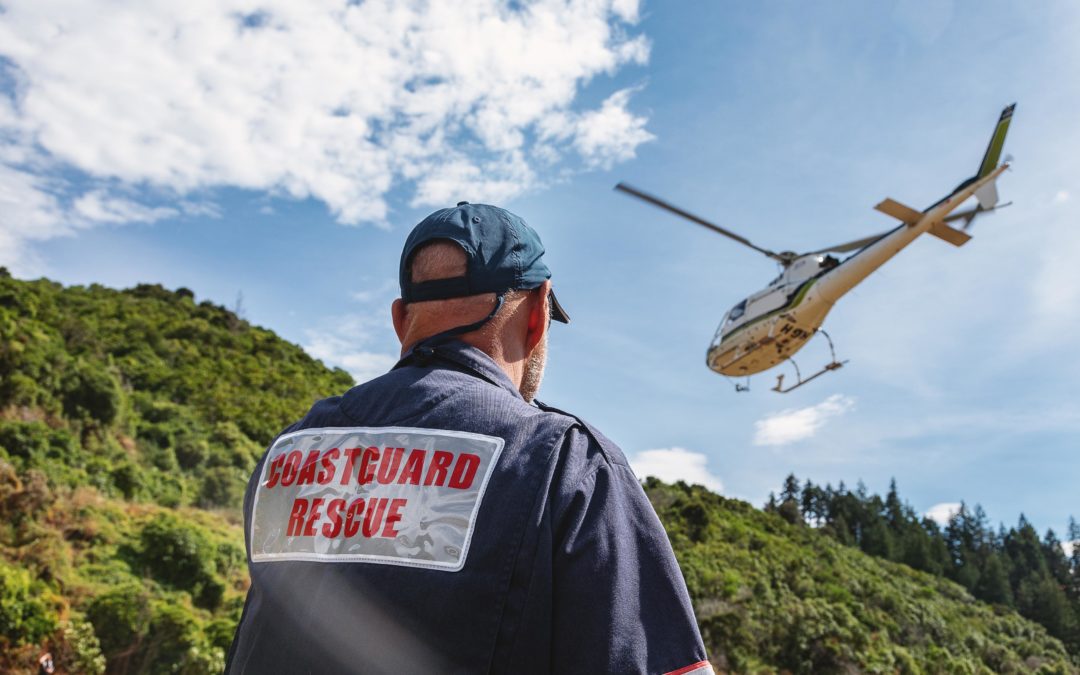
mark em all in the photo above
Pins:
pixel 477 271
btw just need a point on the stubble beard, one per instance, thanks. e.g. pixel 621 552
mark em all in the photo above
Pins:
pixel 534 371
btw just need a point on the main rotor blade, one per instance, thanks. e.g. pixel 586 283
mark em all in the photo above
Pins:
pixel 656 201
pixel 851 245
pixel 970 214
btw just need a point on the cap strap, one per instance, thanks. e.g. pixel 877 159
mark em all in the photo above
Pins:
pixel 470 327
pixel 438 289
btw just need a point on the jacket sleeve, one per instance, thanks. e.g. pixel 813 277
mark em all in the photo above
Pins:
pixel 620 603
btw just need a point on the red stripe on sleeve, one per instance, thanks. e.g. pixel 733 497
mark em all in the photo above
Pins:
pixel 699 668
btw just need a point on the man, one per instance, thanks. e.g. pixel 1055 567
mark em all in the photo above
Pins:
pixel 437 519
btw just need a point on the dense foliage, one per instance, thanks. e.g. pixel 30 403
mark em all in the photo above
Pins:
pixel 774 597
pixel 1013 568
pixel 129 423
pixel 130 420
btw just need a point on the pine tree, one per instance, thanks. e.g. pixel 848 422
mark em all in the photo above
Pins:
pixel 993 585
pixel 1056 560
pixel 920 550
pixel 810 503
pixel 789 500
pixel 956 540
pixel 877 540
pixel 791 489
pixel 839 529
pixel 980 528
pixel 1040 599
pixel 1025 551
pixel 1074 562
pixel 894 509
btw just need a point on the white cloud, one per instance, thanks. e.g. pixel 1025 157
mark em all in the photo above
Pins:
pixel 28 211
pixel 329 99
pixel 602 137
pixel 361 342
pixel 789 426
pixel 346 343
pixel 377 295
pixel 336 350
pixel 1069 547
pixel 99 207
pixel 197 209
pixel 1054 284
pixel 941 513
pixel 673 464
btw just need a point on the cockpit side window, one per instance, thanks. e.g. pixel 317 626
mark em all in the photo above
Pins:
pixel 737 311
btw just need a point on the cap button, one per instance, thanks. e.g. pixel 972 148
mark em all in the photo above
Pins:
pixel 462 203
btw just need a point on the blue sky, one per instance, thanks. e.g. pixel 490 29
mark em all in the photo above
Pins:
pixel 286 158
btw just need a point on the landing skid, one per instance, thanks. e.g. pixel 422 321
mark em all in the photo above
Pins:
pixel 739 388
pixel 832 365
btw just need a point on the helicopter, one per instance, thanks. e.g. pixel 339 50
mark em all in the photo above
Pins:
pixel 770 326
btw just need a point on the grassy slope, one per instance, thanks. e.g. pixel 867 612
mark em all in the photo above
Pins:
pixel 129 421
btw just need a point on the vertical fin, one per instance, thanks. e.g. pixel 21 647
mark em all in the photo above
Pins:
pixel 993 151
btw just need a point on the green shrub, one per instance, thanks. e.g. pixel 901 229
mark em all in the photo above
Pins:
pixel 191 450
pixel 180 554
pixel 222 486
pixel 26 616
pixel 25 440
pixel 120 616
pixel 127 478
pixel 91 391
pixel 82 650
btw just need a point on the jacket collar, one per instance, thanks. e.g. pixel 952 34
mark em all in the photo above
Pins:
pixel 444 350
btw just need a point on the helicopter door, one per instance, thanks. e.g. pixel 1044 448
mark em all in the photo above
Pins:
pixel 774 298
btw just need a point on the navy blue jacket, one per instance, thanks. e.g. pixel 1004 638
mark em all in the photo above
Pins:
pixel 500 537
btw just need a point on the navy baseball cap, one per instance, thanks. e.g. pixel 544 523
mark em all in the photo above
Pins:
pixel 502 253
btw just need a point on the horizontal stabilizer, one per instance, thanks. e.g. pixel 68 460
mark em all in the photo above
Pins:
pixel 950 234
pixel 891 207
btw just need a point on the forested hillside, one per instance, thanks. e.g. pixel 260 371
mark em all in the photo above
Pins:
pixel 129 421
pixel 1012 567
pixel 772 596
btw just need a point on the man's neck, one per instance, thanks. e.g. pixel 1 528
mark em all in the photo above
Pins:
pixel 515 370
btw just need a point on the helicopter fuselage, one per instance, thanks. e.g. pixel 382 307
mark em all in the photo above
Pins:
pixel 773 324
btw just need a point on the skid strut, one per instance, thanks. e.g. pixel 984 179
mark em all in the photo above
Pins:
pixel 832 365
pixel 739 387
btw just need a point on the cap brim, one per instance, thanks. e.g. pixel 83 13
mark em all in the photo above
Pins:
pixel 555 309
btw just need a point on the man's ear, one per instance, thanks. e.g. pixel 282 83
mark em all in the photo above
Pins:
pixel 538 316
pixel 399 311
